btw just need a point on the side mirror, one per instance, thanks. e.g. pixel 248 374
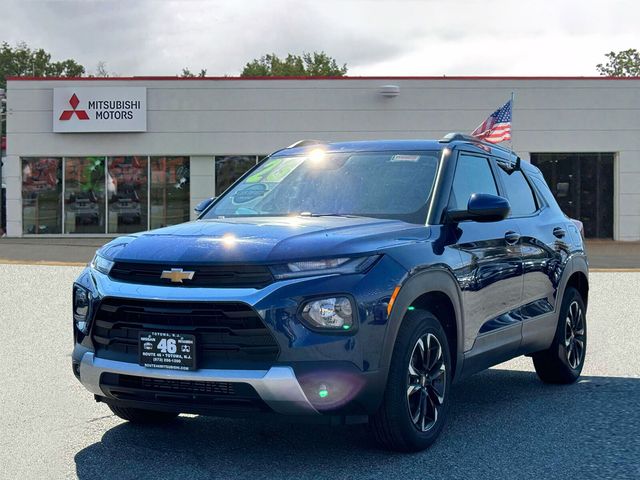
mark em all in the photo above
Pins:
pixel 482 207
pixel 202 206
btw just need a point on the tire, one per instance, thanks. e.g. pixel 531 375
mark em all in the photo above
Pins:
pixel 409 395
pixel 562 362
pixel 141 416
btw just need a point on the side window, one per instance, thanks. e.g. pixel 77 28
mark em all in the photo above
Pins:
pixel 519 193
pixel 473 175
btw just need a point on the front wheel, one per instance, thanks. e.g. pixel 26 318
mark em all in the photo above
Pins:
pixel 562 362
pixel 416 399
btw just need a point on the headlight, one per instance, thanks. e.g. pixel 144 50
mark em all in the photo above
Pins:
pixel 327 266
pixel 81 299
pixel 332 313
pixel 101 264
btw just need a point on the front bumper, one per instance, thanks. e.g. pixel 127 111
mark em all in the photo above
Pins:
pixel 278 386
pixel 346 365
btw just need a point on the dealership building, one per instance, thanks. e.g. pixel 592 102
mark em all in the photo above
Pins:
pixel 103 157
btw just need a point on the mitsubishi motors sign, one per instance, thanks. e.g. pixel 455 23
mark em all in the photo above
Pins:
pixel 99 109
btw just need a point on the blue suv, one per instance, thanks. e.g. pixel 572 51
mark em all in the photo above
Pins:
pixel 347 282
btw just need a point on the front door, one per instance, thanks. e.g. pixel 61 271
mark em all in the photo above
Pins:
pixel 491 277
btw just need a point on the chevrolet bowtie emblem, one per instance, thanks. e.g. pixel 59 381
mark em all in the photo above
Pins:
pixel 177 275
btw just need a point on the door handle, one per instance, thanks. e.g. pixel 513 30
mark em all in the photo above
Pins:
pixel 511 237
pixel 559 232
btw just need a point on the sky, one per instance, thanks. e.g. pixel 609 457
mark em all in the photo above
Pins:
pixel 373 37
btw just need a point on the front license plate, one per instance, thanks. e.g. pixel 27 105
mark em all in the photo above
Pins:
pixel 174 351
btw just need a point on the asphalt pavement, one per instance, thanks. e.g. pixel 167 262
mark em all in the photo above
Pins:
pixel 504 422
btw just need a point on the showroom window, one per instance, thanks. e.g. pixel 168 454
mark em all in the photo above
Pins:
pixel 41 195
pixel 103 195
pixel 229 168
pixel 169 191
pixel 127 187
pixel 84 195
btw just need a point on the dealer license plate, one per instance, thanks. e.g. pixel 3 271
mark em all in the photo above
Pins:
pixel 176 351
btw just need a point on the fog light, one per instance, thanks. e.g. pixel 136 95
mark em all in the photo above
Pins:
pixel 81 298
pixel 334 313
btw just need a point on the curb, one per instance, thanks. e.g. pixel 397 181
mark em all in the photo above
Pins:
pixel 614 270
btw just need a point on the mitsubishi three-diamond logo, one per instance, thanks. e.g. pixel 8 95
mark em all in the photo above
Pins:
pixel 67 114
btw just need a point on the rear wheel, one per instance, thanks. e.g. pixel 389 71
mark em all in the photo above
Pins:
pixel 139 415
pixel 562 363
pixel 416 399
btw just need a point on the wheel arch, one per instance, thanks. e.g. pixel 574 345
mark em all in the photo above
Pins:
pixel 441 306
pixel 580 282
pixel 438 292
pixel 577 277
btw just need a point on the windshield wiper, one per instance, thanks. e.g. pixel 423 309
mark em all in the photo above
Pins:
pixel 309 214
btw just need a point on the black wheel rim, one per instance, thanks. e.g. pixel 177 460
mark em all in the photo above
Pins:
pixel 426 382
pixel 574 335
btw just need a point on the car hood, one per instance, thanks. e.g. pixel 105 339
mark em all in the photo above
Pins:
pixel 264 239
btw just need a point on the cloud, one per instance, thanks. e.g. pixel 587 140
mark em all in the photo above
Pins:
pixel 374 37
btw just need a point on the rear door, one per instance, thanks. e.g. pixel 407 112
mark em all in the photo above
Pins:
pixel 491 277
pixel 543 248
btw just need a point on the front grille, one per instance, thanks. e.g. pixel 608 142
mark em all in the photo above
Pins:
pixel 184 395
pixel 228 334
pixel 220 276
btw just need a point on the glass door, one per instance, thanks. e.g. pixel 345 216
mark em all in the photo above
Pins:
pixel 582 183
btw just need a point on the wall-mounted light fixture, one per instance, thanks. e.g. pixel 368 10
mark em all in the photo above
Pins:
pixel 389 91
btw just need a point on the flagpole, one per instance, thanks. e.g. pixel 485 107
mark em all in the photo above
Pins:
pixel 511 139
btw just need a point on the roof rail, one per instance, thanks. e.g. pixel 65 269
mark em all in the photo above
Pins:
pixel 305 143
pixel 453 136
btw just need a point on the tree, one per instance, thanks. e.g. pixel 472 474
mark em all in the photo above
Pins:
pixel 101 69
pixel 186 73
pixel 316 64
pixel 625 63
pixel 20 61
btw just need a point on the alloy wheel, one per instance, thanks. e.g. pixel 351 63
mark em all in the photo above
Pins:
pixel 426 379
pixel 574 335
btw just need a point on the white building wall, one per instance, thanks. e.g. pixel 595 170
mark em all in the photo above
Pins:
pixel 12 178
pixel 202 180
pixel 202 118
pixel 628 193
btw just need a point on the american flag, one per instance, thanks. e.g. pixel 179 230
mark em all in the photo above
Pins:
pixel 496 128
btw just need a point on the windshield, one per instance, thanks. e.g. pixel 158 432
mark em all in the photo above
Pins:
pixel 393 185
